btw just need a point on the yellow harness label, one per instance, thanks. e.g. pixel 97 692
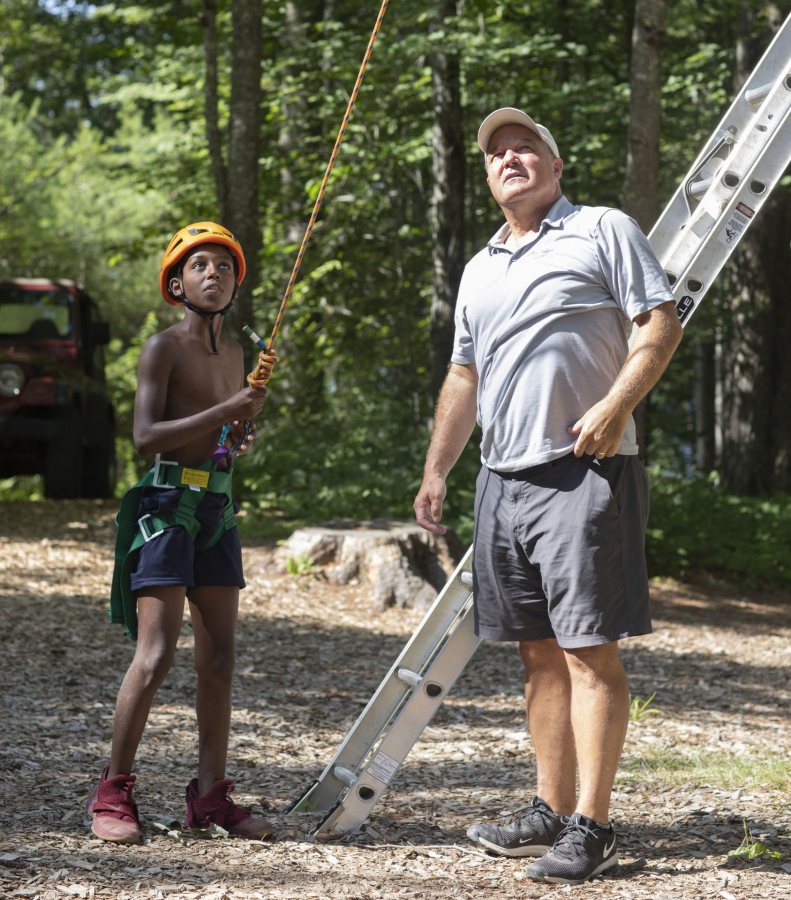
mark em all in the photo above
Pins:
pixel 195 477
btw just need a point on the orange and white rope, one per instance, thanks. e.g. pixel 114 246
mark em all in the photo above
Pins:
pixel 267 357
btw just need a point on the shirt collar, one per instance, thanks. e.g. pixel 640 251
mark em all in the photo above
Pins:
pixel 553 219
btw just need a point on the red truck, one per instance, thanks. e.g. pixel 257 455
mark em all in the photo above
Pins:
pixel 56 417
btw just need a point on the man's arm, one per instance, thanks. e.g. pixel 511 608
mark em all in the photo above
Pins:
pixel 602 427
pixel 453 424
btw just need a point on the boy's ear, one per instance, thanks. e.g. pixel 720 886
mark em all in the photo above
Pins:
pixel 175 286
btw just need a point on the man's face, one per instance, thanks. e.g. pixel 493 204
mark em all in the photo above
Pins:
pixel 520 166
pixel 208 276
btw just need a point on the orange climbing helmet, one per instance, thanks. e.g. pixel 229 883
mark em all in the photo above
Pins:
pixel 190 236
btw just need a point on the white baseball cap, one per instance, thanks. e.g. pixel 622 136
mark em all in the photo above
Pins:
pixel 507 115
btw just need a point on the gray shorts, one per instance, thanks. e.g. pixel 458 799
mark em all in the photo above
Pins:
pixel 559 552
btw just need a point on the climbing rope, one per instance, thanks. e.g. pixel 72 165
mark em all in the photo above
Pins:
pixel 267 357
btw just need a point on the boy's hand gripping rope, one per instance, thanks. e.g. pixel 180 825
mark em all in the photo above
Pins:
pixel 267 357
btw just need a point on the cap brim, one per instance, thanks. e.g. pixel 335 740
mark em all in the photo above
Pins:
pixel 508 115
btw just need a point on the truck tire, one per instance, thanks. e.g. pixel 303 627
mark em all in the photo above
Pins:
pixel 63 467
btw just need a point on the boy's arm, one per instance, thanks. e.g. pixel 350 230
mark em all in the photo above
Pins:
pixel 154 434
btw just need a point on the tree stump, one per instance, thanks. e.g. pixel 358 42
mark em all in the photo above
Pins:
pixel 399 562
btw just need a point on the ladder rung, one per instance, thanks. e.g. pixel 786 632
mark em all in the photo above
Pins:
pixel 409 677
pixel 466 578
pixel 345 775
pixel 697 188
pixel 756 96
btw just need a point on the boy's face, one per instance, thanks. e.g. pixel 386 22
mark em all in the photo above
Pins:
pixel 208 276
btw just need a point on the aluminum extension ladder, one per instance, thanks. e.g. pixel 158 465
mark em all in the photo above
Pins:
pixel 698 230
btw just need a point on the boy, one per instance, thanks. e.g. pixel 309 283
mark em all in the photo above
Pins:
pixel 177 535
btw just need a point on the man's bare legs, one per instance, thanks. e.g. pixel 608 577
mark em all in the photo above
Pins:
pixel 577 708
pixel 159 616
pixel 214 611
pixel 548 702
pixel 599 717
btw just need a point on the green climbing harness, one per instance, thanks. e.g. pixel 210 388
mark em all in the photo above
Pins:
pixel 135 530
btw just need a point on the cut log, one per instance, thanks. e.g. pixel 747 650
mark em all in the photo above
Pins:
pixel 400 563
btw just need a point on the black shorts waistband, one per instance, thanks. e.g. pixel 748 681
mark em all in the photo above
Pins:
pixel 532 471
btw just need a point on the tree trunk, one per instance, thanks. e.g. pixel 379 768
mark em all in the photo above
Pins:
pixel 756 457
pixel 645 79
pixel 243 150
pixel 447 200
pixel 642 158
pixel 398 563
pixel 211 107
pixel 705 400
pixel 302 377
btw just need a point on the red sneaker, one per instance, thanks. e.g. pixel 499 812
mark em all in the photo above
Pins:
pixel 114 811
pixel 216 806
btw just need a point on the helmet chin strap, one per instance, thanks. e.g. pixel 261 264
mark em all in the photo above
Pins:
pixel 209 316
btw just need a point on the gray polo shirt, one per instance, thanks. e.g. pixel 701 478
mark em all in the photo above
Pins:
pixel 547 326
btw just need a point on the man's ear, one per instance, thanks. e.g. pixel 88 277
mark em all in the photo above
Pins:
pixel 175 286
pixel 557 166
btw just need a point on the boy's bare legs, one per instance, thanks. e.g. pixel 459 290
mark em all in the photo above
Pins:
pixel 214 612
pixel 159 616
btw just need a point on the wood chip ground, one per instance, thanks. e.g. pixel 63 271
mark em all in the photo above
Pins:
pixel 310 655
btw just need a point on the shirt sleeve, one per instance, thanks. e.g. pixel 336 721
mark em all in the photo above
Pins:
pixel 463 351
pixel 629 265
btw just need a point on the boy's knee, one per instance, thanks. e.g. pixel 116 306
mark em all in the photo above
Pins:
pixel 153 664
pixel 217 666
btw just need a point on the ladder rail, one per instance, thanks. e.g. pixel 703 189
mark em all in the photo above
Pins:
pixel 735 176
pixel 769 68
pixel 375 777
pixel 735 217
pixel 425 643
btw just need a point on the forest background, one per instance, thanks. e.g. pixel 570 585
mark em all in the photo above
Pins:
pixel 120 122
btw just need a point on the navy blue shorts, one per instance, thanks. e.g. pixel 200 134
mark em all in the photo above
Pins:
pixel 171 558
pixel 559 552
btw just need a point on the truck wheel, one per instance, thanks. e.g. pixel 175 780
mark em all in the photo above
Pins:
pixel 63 470
pixel 99 465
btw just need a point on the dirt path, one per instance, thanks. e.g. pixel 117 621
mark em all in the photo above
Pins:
pixel 310 656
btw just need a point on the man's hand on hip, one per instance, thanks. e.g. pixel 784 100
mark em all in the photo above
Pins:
pixel 599 432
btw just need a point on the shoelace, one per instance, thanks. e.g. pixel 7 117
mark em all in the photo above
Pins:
pixel 530 813
pixel 226 810
pixel 572 837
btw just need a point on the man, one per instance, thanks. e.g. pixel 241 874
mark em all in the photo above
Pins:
pixel 541 360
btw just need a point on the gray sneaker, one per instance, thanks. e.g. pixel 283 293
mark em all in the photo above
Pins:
pixel 529 832
pixel 583 850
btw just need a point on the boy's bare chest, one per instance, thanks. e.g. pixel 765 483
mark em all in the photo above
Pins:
pixel 204 381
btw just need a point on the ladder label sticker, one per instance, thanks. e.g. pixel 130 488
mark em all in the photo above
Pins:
pixel 738 220
pixel 383 767
pixel 684 308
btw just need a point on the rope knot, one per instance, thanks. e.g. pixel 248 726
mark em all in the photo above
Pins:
pixel 263 370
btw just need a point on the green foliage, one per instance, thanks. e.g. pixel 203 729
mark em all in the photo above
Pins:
pixel 751 849
pixel 105 156
pixel 720 770
pixel 300 565
pixel 695 528
pixel 640 709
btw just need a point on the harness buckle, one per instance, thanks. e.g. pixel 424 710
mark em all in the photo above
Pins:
pixel 146 528
pixel 158 463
